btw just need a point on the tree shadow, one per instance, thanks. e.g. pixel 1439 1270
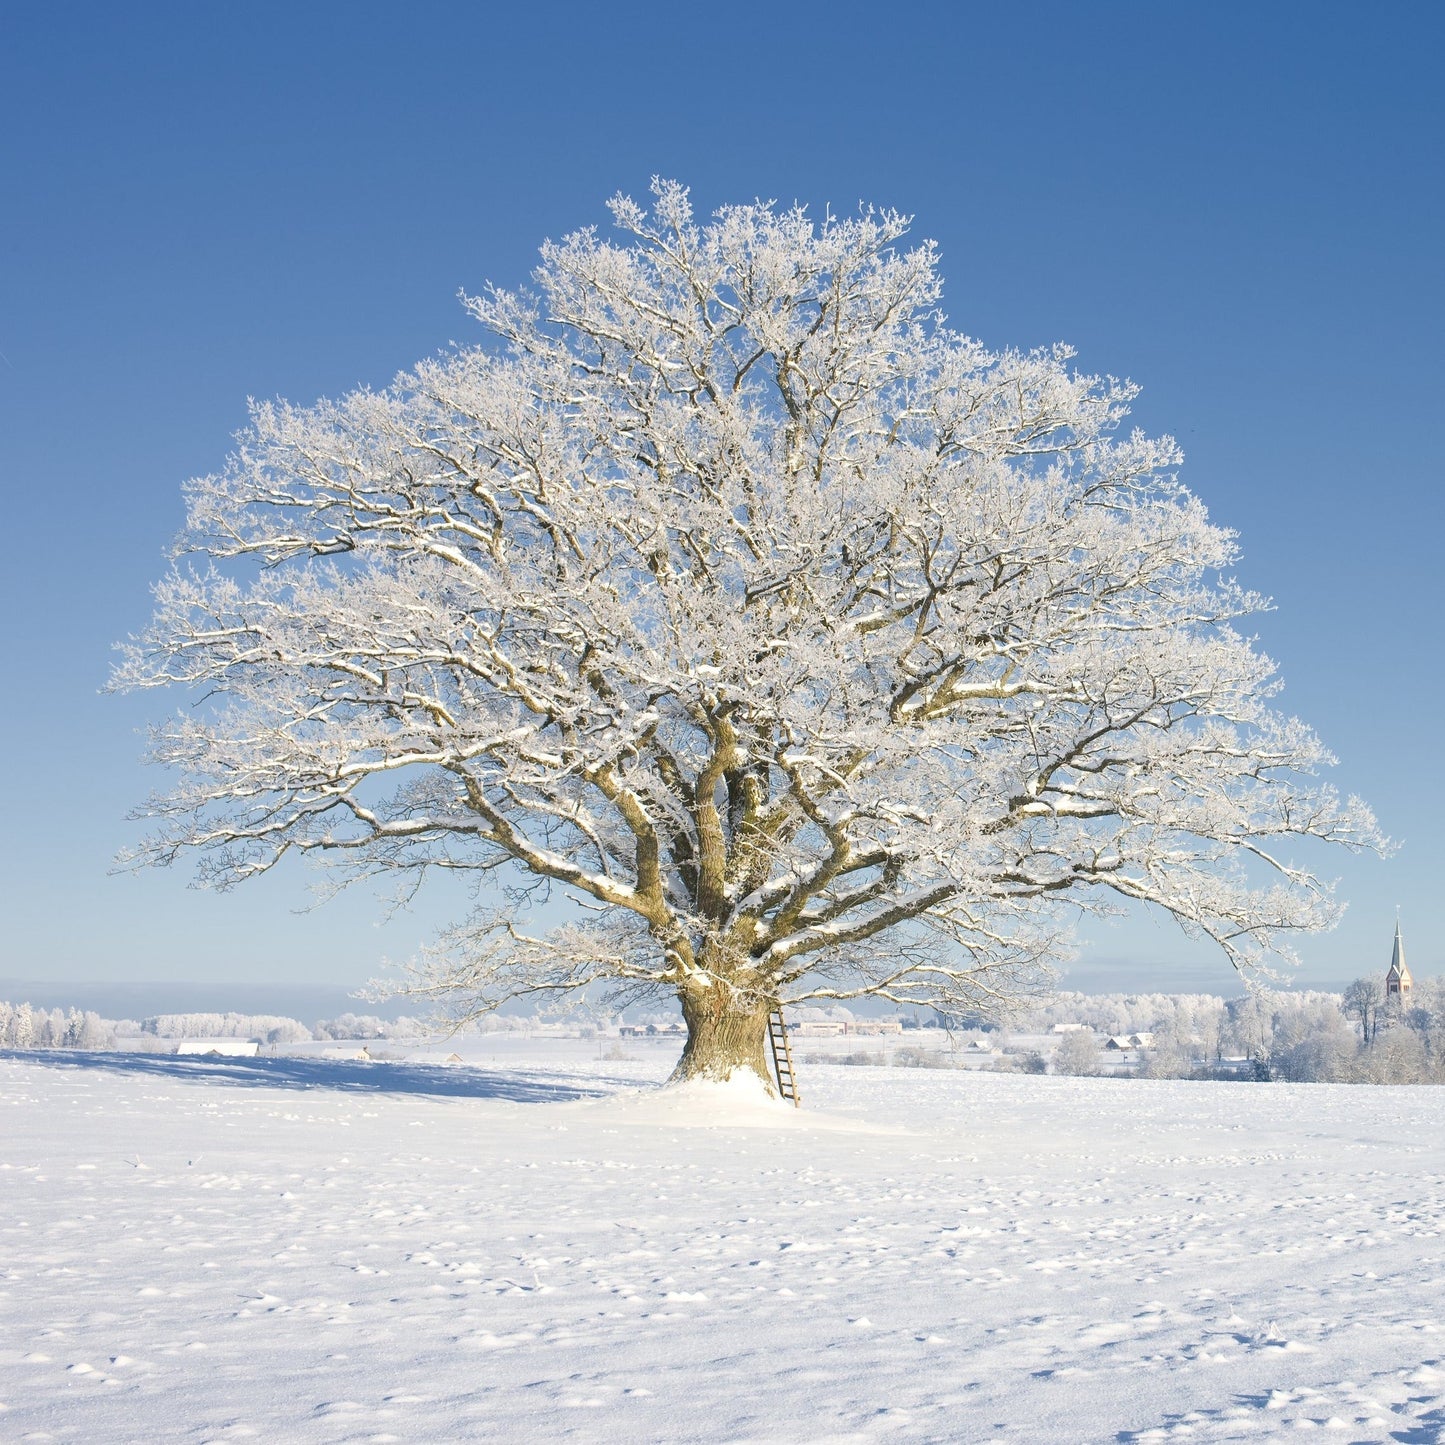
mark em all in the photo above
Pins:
pixel 454 1081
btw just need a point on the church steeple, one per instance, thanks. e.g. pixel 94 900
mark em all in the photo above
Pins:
pixel 1398 982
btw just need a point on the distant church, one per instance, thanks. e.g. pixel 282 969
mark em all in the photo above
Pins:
pixel 1398 982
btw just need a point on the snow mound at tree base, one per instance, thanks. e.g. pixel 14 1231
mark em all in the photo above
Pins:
pixel 740 1102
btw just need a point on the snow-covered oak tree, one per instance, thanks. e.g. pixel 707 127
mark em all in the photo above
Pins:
pixel 816 649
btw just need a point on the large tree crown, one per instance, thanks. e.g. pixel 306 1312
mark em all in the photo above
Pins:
pixel 730 588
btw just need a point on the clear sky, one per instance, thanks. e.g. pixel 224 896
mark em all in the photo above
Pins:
pixel 1237 205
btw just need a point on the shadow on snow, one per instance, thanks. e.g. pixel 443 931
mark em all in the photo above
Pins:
pixel 463 1081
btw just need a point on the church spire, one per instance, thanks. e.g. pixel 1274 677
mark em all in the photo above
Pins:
pixel 1398 982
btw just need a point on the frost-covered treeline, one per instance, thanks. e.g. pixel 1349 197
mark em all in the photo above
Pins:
pixel 1371 1040
pixel 1308 1037
pixel 505 1024
pixel 1125 1013
pixel 266 1028
pixel 368 1026
pixel 277 1029
pixel 24 1027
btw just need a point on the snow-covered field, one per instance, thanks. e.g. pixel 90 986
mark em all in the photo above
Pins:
pixel 305 1250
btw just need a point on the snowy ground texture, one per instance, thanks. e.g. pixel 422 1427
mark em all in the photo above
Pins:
pixel 298 1250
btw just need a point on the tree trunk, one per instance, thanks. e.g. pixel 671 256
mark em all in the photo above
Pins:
pixel 722 1038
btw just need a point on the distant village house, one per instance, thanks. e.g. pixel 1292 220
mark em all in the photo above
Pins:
pixel 1122 1043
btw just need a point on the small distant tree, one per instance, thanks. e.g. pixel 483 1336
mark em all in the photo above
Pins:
pixel 1209 1028
pixel 88 1031
pixel 1078 1053
pixel 1318 1048
pixel 1426 1016
pixel 1397 1056
pixel 1364 1002
pixel 1172 1055
pixel 816 649
pixel 24 1028
pixel 1249 1027
pixel 288 1031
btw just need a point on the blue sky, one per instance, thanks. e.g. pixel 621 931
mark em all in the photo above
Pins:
pixel 1238 206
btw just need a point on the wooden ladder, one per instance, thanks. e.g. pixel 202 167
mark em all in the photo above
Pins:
pixel 783 1058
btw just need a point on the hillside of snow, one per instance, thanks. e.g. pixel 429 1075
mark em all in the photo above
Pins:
pixel 535 1246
